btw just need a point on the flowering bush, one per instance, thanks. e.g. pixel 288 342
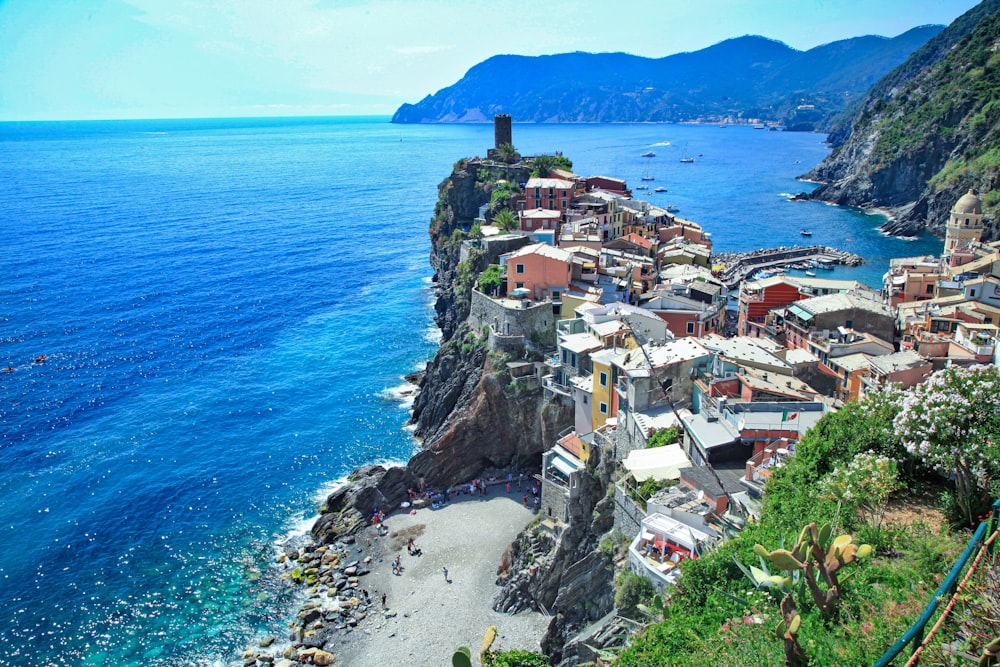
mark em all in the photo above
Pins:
pixel 952 422
pixel 863 485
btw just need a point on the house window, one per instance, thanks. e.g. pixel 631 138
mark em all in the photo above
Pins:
pixel 584 399
pixel 519 268
pixel 690 327
pixel 849 324
pixel 518 285
pixel 930 289
pixel 604 379
pixel 603 408
pixel 972 294
pixel 538 203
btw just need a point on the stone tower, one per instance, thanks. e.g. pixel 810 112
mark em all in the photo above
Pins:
pixel 501 130
pixel 965 224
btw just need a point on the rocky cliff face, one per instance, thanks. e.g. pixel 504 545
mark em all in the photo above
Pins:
pixel 926 133
pixel 567 575
pixel 491 424
pixel 468 414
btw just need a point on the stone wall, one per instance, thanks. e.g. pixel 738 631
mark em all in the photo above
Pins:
pixel 512 345
pixel 628 514
pixel 535 323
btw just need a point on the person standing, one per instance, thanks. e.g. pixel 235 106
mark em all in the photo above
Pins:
pixel 445 570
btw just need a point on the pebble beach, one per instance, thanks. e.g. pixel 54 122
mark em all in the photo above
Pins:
pixel 425 616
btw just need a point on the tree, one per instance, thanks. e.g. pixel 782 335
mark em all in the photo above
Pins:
pixel 542 166
pixel 490 279
pixel 505 219
pixel 507 153
pixel 952 422
pixel 502 194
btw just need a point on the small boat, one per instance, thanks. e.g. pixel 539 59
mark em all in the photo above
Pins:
pixel 687 159
pixel 826 266
pixel 642 187
pixel 648 154
pixel 811 274
pixel 8 369
pixel 670 208
pixel 805 232
pixel 758 127
pixel 648 178
pixel 40 359
pixel 661 189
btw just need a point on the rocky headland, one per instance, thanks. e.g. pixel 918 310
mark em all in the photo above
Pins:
pixel 925 134
pixel 473 422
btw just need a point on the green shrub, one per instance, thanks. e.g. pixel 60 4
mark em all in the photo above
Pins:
pixel 631 590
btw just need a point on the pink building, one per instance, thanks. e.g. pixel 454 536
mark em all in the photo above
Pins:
pixel 542 270
pixel 554 194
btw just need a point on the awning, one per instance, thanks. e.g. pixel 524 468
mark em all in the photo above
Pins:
pixel 658 463
pixel 563 466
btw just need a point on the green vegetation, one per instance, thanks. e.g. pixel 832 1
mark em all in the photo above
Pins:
pixel 515 658
pixel 507 153
pixel 631 590
pixel 490 280
pixel 952 422
pixel 505 219
pixel 502 194
pixel 715 618
pixel 664 437
pixel 943 120
pixel 542 166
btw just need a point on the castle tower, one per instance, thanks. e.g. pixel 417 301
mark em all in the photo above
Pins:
pixel 965 224
pixel 501 130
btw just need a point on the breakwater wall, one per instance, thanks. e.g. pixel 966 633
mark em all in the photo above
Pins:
pixel 736 266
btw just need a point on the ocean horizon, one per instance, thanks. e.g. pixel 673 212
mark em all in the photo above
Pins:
pixel 222 312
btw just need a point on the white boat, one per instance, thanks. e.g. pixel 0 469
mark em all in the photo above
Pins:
pixel 670 208
pixel 811 274
pixel 648 154
pixel 805 232
pixel 642 187
pixel 687 159
pixel 661 189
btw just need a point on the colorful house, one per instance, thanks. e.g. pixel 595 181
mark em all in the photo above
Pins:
pixel 538 271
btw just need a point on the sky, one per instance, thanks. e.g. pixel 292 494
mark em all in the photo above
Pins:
pixel 103 59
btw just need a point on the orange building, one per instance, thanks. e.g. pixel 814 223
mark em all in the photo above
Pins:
pixel 542 270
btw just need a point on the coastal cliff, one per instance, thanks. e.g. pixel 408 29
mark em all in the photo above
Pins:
pixel 926 133
pixel 469 415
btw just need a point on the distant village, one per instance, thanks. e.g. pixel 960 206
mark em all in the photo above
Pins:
pixel 628 308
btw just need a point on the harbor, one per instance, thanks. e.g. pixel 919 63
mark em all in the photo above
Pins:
pixel 733 268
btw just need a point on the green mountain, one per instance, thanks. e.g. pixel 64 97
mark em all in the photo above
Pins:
pixel 748 77
pixel 926 133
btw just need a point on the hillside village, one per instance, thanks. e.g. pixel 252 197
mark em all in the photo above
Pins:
pixel 620 298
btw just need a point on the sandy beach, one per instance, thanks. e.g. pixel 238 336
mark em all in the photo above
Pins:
pixel 427 617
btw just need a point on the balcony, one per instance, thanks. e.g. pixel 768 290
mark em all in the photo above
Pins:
pixel 553 388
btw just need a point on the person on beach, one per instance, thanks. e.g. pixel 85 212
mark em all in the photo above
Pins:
pixel 383 600
pixel 525 500
pixel 445 570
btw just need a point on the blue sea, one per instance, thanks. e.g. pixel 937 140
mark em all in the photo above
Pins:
pixel 226 309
